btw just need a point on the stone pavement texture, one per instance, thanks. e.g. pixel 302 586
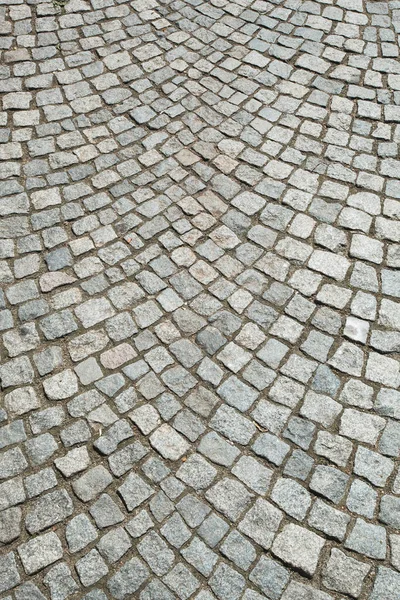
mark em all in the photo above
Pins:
pixel 200 305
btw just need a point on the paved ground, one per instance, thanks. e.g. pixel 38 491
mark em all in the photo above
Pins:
pixel 200 317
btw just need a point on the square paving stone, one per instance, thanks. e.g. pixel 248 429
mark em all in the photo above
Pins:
pixel 299 548
pixel 91 568
pixel 344 574
pixel 127 579
pixel 134 491
pixel 168 442
pixel 261 523
pixel 229 497
pixel 39 552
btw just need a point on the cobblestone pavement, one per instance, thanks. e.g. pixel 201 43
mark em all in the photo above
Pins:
pixel 200 315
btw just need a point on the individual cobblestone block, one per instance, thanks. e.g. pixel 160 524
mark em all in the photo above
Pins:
pixel 270 577
pixel 230 497
pixel 17 371
pixel 361 426
pixel 128 579
pixel 329 482
pixel 372 466
pixel 21 401
pixel 73 462
pixel 386 585
pixel 21 340
pixel 348 359
pixel 192 510
pixel 134 491
pixel 94 311
pixel 291 497
pixel 265 514
pixel 181 581
pixel 12 463
pixel 327 519
pixel 48 510
pixel 79 532
pixel 357 393
pixel 86 344
pixel 383 370
pixel 28 590
pixel 367 539
pixel 39 552
pixel 334 447
pixel 218 450
pixel 320 408
pixel 10 527
pixel 298 465
pixel 237 394
pixel 60 581
pixel 13 433
pixel 213 529
pixel 169 443
pixel 253 474
pixel 91 568
pixel 106 512
pixel 9 575
pixel 39 449
pixel 200 556
pixel 58 325
pixel 40 482
pixel 395 550
pixel 239 550
pixel 271 448
pixel 299 431
pixel 88 371
pixel 362 498
pixel 12 493
pixel 175 531
pixel 299 548
pixel 61 386
pixel 300 591
pixel 345 574
pixel 139 524
pixel 233 425
pixel 390 511
pixel 92 483
pixel 76 433
pixel 197 472
pixel 114 544
pixel 226 582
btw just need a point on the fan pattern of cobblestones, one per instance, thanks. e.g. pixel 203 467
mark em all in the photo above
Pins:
pixel 200 305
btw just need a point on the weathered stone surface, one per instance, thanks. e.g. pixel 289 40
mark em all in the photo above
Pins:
pixel 199 300
pixel 40 552
pixel 298 547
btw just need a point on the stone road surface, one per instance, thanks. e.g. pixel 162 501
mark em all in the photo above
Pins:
pixel 200 305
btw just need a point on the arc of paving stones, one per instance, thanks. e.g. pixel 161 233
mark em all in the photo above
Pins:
pixel 199 252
